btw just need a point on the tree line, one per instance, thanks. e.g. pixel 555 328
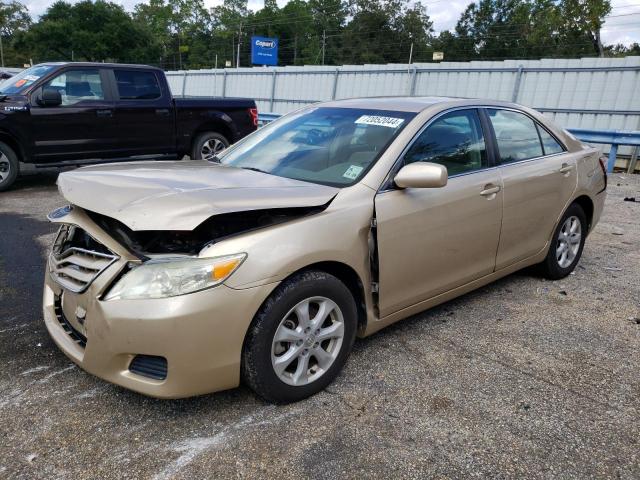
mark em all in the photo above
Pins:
pixel 184 34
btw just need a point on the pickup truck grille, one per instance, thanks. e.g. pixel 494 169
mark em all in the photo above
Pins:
pixel 77 259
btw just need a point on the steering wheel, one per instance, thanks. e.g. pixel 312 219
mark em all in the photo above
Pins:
pixel 315 136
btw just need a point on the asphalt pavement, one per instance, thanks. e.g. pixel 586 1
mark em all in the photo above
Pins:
pixel 522 378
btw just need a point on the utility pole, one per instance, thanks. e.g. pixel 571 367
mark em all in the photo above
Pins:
pixel 1 49
pixel 411 50
pixel 239 42
pixel 324 42
pixel 179 52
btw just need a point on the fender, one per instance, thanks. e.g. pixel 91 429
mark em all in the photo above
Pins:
pixel 191 122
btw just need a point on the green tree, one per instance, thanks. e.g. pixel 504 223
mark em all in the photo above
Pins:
pixel 90 31
pixel 228 21
pixel 528 29
pixel 181 27
pixel 14 22
pixel 582 23
pixel 495 29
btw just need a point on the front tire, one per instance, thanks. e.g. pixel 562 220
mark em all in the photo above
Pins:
pixel 207 145
pixel 300 338
pixel 566 246
pixel 8 166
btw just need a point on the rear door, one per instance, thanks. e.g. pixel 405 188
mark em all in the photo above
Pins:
pixel 431 240
pixel 144 112
pixel 82 126
pixel 539 177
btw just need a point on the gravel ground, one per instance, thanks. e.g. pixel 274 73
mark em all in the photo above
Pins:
pixel 523 378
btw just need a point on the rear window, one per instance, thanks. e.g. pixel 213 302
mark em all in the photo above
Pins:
pixel 137 85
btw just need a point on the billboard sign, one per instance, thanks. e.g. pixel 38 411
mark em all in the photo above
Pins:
pixel 264 51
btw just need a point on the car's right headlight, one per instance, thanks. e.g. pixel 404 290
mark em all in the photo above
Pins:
pixel 174 276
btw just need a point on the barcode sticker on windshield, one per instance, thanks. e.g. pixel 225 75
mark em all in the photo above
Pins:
pixel 352 172
pixel 390 122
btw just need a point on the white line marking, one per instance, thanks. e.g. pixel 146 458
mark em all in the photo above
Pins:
pixel 53 374
pixel 17 327
pixel 193 447
pixel 35 369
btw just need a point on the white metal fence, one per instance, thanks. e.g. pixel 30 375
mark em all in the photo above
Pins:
pixel 597 93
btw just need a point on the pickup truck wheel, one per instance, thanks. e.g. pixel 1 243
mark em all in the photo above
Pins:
pixel 207 145
pixel 8 166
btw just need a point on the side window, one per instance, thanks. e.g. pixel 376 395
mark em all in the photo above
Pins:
pixel 137 85
pixel 516 134
pixel 549 144
pixel 454 140
pixel 78 85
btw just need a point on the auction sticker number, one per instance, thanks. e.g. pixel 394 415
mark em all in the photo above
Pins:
pixel 390 122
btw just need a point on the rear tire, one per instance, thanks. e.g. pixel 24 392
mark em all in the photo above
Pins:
pixel 566 245
pixel 9 166
pixel 300 338
pixel 207 145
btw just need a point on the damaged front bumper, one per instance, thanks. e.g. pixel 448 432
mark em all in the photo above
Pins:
pixel 168 348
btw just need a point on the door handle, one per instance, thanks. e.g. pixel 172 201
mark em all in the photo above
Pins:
pixel 566 168
pixel 104 113
pixel 162 111
pixel 490 190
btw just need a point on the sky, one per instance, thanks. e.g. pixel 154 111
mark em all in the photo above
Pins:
pixel 622 26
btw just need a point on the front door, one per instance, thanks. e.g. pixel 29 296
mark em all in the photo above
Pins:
pixel 539 178
pixel 82 126
pixel 431 240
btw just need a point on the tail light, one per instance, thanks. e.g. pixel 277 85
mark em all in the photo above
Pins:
pixel 253 113
pixel 603 166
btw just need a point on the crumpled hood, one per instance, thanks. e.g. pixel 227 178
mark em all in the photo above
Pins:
pixel 180 195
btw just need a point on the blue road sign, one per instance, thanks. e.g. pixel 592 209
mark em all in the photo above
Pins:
pixel 264 51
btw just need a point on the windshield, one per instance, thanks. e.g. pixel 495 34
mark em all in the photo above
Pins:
pixel 330 146
pixel 19 82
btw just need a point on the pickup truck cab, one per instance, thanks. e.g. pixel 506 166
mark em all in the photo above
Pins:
pixel 55 114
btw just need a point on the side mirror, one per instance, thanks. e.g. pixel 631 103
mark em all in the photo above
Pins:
pixel 50 97
pixel 422 175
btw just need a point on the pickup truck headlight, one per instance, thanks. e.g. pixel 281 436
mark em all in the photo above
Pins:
pixel 172 277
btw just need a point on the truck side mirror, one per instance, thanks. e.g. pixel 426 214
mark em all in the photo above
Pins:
pixel 50 97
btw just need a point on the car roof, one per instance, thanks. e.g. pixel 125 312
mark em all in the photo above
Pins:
pixel 411 104
pixel 99 65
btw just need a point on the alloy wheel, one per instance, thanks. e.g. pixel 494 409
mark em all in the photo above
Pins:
pixel 211 148
pixel 5 167
pixel 569 239
pixel 307 341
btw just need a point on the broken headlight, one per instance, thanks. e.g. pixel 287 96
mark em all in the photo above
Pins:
pixel 175 276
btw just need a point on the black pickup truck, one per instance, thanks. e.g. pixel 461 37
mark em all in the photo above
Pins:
pixel 56 114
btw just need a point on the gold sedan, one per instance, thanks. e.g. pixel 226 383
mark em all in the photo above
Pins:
pixel 182 278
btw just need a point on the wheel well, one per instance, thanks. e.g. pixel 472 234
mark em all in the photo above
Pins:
pixel 15 146
pixel 350 278
pixel 218 127
pixel 587 205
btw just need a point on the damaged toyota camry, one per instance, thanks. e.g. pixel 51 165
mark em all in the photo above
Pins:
pixel 176 279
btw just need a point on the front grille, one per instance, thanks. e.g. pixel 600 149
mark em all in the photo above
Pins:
pixel 77 259
pixel 75 335
pixel 149 366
